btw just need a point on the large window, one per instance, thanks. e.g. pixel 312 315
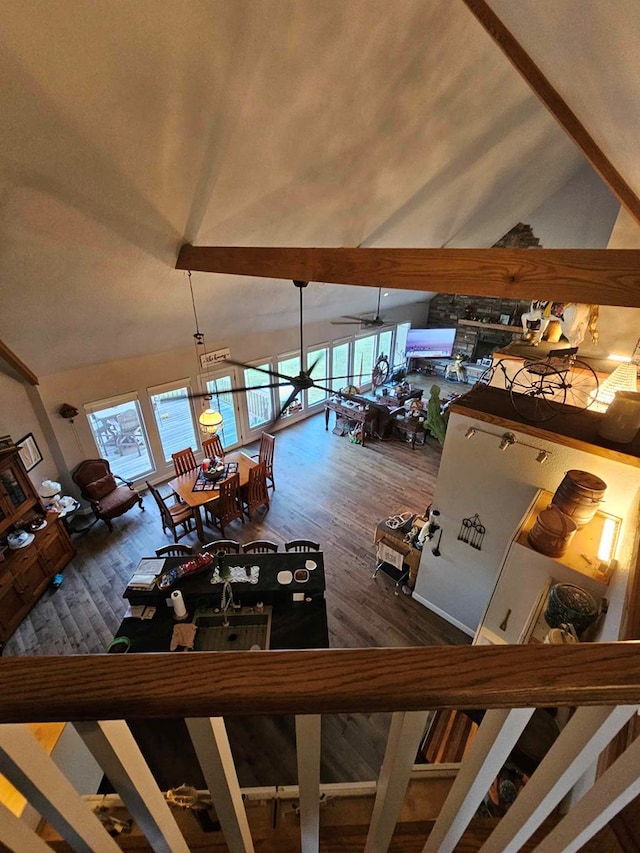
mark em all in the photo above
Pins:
pixel 341 373
pixel 289 365
pixel 400 355
pixel 260 399
pixel 363 359
pixel 319 357
pixel 174 417
pixel 385 341
pixel 118 430
pixel 223 401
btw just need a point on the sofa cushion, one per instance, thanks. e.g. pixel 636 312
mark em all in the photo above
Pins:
pixel 101 488
pixel 117 501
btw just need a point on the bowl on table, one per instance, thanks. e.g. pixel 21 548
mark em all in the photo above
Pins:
pixel 214 473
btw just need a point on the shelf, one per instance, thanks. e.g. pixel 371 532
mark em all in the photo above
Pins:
pixel 501 327
pixel 581 556
pixel 576 429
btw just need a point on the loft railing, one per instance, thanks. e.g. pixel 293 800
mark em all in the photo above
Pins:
pixel 98 693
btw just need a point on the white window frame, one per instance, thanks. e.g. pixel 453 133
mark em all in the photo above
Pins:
pixel 110 402
pixel 289 418
pixel 249 431
pixel 349 341
pixel 309 359
pixel 166 387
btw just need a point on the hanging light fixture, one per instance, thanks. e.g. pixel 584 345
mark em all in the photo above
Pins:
pixel 623 378
pixel 210 420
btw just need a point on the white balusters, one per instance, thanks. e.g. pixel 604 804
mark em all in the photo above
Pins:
pixel 37 776
pixel 308 729
pixel 16 835
pixel 114 748
pixel 209 736
pixel 405 733
pixel 580 743
pixel 494 740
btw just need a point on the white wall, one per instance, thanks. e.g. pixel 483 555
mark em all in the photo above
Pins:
pixel 476 477
pixel 18 416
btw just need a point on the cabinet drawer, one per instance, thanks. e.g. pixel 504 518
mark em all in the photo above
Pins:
pixel 13 608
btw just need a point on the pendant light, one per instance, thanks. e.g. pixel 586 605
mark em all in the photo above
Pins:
pixel 210 420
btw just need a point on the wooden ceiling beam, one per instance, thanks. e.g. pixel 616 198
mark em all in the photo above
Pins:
pixel 17 364
pixel 598 276
pixel 558 107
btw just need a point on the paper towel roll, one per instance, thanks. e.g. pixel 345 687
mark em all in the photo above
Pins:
pixel 179 610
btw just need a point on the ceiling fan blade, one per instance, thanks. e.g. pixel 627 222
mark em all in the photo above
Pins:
pixel 312 368
pixel 287 403
pixel 253 367
pixel 202 394
pixel 347 317
pixel 333 378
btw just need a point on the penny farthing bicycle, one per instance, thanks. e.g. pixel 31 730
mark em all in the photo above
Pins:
pixel 544 387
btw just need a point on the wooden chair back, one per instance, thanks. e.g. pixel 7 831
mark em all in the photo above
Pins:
pixel 256 493
pixel 260 546
pixel 222 546
pixel 301 545
pixel 212 447
pixel 175 551
pixel 174 516
pixel 229 505
pixel 267 445
pixel 184 461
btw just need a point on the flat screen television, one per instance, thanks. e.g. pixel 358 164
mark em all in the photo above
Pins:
pixel 430 343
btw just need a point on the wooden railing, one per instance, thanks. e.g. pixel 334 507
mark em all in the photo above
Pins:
pixel 97 693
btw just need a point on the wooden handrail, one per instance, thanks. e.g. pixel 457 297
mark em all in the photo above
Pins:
pixel 136 686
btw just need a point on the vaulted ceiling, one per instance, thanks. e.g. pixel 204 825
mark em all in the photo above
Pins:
pixel 130 128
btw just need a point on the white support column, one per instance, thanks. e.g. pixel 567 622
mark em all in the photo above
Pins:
pixel 36 775
pixel 211 743
pixel 494 740
pixel 16 835
pixel 308 735
pixel 610 794
pixel 114 748
pixel 405 733
pixel 581 741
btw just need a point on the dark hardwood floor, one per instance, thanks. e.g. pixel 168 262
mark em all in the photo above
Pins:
pixel 327 489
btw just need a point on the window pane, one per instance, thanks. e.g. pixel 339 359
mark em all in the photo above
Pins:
pixel 384 344
pixel 289 367
pixel 121 439
pixel 223 402
pixel 363 359
pixel 340 367
pixel 321 358
pixel 259 401
pixel 400 357
pixel 174 419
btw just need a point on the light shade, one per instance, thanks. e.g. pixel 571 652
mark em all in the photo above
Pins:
pixel 49 489
pixel 210 421
pixel 623 378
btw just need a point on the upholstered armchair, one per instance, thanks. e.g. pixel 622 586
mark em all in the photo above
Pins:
pixel 98 486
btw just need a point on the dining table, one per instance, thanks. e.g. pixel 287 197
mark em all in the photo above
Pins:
pixel 183 487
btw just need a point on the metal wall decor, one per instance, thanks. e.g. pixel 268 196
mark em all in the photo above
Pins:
pixel 472 532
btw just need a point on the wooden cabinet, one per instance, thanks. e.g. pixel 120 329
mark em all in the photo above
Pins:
pixel 26 572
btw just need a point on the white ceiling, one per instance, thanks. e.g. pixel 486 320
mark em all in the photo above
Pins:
pixel 130 128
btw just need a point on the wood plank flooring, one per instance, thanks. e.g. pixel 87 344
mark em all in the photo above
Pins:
pixel 327 489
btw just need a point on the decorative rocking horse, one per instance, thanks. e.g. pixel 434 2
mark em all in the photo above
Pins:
pixel 575 319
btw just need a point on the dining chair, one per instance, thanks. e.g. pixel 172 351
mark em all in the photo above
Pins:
pixel 228 505
pixel 222 546
pixel 174 515
pixel 259 546
pixel 255 493
pixel 212 447
pixel 175 551
pixel 184 461
pixel 267 445
pixel 301 545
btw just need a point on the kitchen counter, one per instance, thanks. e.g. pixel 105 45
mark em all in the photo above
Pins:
pixel 165 744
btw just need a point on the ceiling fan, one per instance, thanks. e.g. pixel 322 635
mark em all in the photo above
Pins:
pixel 350 320
pixel 303 381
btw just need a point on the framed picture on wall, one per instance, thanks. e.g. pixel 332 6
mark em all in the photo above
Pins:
pixel 29 451
pixel 505 319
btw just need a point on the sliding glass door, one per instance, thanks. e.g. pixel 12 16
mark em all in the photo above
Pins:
pixel 225 402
